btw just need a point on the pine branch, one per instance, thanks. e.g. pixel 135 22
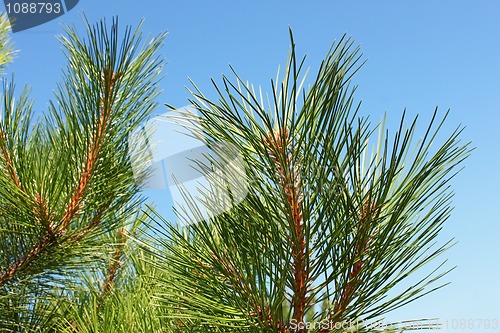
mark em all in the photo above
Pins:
pixel 322 221
pixel 66 183
pixel 54 233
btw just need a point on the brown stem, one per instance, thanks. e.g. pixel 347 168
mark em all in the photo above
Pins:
pixel 361 249
pixel 9 164
pixel 47 242
pixel 95 221
pixel 75 202
pixel 230 269
pixel 114 265
pixel 43 215
pixel 278 148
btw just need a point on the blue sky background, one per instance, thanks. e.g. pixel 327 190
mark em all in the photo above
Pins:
pixel 421 54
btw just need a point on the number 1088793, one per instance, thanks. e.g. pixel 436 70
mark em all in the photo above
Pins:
pixel 34 8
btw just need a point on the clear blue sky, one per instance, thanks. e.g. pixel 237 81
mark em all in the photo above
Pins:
pixel 421 54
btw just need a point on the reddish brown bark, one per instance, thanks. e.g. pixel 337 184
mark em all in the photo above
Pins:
pixel 230 269
pixel 9 164
pixel 361 248
pixel 278 147
pixel 75 202
pixel 114 264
